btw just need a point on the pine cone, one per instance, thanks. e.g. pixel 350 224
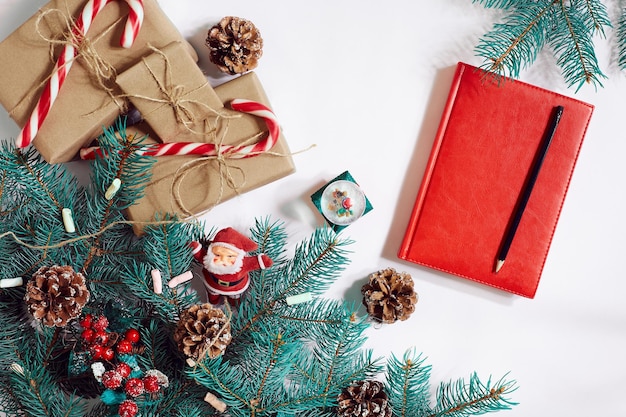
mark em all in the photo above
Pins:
pixel 235 45
pixel 56 294
pixel 389 296
pixel 203 330
pixel 364 398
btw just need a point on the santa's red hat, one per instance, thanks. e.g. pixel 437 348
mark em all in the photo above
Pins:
pixel 232 239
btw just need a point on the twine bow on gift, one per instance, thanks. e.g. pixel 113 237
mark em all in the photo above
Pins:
pixel 225 173
pixel 71 48
pixel 177 97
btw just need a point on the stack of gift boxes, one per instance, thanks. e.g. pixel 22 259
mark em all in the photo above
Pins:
pixel 159 76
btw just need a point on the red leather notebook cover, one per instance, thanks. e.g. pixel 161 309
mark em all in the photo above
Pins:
pixel 484 149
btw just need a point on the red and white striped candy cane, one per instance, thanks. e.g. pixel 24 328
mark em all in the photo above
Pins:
pixel 211 149
pixel 66 58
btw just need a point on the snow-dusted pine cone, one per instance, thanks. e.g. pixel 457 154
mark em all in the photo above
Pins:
pixel 389 295
pixel 56 295
pixel 364 398
pixel 235 45
pixel 203 330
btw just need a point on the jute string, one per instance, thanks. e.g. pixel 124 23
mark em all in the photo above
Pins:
pixel 100 71
pixel 176 97
pixel 92 235
pixel 225 170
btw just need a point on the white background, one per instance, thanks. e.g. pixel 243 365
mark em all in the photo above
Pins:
pixel 365 81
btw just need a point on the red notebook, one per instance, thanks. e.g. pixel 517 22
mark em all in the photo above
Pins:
pixel 483 152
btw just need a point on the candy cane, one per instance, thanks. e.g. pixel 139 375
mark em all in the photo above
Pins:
pixel 211 149
pixel 66 58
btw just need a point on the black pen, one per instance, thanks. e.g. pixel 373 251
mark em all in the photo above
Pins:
pixel 528 188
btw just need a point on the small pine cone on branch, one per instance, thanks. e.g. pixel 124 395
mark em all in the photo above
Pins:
pixel 364 399
pixel 389 296
pixel 203 330
pixel 56 295
pixel 235 45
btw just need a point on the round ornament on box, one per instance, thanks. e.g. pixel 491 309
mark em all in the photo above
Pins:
pixel 389 296
pixel 343 202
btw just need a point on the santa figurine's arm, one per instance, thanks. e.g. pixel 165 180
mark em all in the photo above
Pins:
pixel 260 261
pixel 198 251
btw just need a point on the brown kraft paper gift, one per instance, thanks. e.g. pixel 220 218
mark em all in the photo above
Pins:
pixel 82 107
pixel 172 94
pixel 200 187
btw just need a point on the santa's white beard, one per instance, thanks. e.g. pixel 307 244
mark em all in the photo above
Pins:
pixel 222 269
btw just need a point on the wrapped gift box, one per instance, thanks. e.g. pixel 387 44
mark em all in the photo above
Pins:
pixel 185 188
pixel 172 94
pixel 82 107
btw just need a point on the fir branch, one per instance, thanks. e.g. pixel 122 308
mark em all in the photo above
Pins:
pixel 594 14
pixel 277 344
pixel 120 161
pixel 286 360
pixel 38 177
pixel 135 277
pixel 621 40
pixel 407 383
pixel 160 351
pixel 498 4
pixel 98 410
pixel 316 264
pixel 515 43
pixel 348 340
pixel 9 404
pixel 457 399
pixel 567 27
pixel 224 380
pixel 271 237
pixel 182 398
pixel 330 364
pixel 166 248
pixel 39 395
pixel 573 46
pixel 51 188
pixel 14 330
pixel 317 314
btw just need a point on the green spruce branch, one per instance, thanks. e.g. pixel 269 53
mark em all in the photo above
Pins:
pixel 284 359
pixel 566 27
pixel 462 398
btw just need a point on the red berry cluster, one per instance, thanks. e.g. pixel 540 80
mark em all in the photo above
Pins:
pixel 128 408
pixel 133 387
pixel 104 344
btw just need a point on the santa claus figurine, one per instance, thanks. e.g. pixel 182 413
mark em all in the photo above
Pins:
pixel 226 263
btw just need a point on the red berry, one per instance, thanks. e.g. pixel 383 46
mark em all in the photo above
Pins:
pixel 132 335
pixel 100 324
pixel 88 335
pixel 124 347
pixel 123 369
pixel 108 354
pixel 128 408
pixel 134 387
pixel 111 380
pixel 86 322
pixel 97 351
pixel 101 337
pixel 151 384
